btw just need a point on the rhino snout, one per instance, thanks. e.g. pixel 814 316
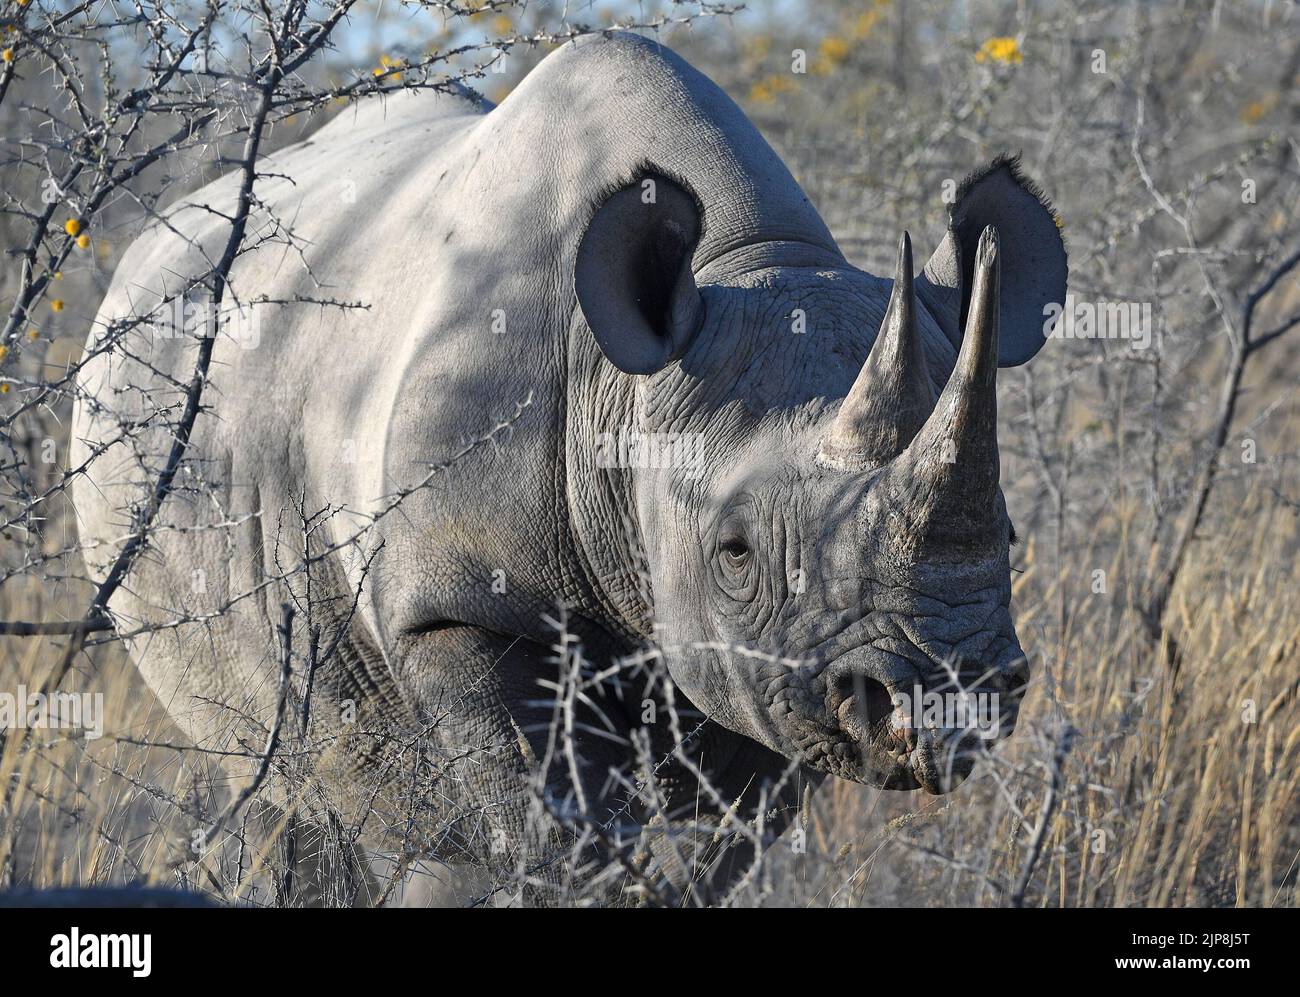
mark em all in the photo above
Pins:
pixel 913 733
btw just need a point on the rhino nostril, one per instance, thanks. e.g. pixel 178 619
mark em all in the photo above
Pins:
pixel 864 705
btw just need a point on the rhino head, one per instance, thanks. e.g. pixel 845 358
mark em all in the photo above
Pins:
pixel 828 573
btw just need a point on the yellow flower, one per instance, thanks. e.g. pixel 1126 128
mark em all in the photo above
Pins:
pixel 4 352
pixel 865 22
pixel 1256 109
pixel 83 241
pixel 4 388
pixel 72 226
pixel 1003 50
pixel 56 305
pixel 830 53
pixel 58 274
pixel 834 49
pixel 7 55
pixel 33 334
pixel 765 91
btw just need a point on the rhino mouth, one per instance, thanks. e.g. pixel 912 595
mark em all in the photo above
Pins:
pixel 857 727
pixel 873 716
pixel 867 715
pixel 903 753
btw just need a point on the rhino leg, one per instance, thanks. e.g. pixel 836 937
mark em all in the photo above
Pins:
pixel 297 862
pixel 487 718
pixel 483 702
pixel 705 868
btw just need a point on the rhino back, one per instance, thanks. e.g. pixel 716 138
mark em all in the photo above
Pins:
pixel 454 231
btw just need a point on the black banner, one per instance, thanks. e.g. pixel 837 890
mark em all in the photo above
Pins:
pixel 139 947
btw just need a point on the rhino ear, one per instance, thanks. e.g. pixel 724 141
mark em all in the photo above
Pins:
pixel 633 274
pixel 1031 251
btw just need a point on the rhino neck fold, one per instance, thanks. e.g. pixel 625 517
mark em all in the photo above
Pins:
pixel 600 410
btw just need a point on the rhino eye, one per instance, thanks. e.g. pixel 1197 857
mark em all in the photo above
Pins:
pixel 734 550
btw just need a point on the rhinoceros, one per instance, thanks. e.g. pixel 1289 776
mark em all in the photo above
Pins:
pixel 478 308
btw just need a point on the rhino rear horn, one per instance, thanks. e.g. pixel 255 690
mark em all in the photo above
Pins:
pixel 892 397
pixel 633 276
pixel 946 482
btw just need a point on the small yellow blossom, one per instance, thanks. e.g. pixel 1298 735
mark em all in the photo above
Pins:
pixel 4 352
pixel 766 90
pixel 1256 109
pixel 758 47
pixel 56 305
pixel 58 274
pixel 72 226
pixel 33 334
pixel 7 55
pixel 865 22
pixel 1003 50
pixel 83 241
pixel 830 53
pixel 834 48
pixel 4 388
pixel 389 68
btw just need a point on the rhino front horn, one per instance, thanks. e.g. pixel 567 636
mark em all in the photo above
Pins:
pixel 946 483
pixel 891 398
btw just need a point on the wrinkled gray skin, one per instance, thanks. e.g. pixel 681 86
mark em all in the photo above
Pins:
pixel 450 218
